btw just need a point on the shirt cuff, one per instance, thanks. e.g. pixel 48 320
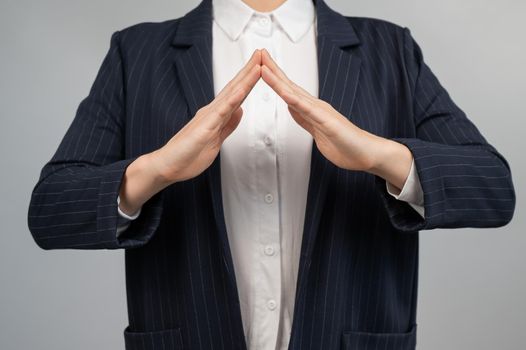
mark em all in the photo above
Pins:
pixel 124 215
pixel 411 192
pixel 124 220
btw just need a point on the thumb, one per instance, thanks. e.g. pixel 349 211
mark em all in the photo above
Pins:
pixel 301 120
pixel 232 123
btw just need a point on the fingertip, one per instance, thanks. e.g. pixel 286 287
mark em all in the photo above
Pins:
pixel 256 55
pixel 264 55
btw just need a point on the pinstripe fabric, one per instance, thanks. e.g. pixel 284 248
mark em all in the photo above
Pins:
pixel 357 284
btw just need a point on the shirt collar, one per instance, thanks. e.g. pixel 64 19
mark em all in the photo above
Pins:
pixel 294 16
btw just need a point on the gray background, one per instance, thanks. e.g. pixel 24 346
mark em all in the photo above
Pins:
pixel 472 292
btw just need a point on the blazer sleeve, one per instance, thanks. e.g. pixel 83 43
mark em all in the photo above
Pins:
pixel 74 202
pixel 466 182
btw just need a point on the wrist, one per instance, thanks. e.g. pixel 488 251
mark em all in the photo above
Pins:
pixel 140 182
pixel 391 161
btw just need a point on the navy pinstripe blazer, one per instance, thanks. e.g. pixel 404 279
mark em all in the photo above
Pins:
pixel 357 284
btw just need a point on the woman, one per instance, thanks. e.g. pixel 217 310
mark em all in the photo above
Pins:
pixel 267 167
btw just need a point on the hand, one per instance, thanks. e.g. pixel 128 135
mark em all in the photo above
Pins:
pixel 197 144
pixel 337 138
pixel 191 150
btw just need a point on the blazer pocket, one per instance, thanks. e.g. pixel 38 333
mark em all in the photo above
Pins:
pixel 369 341
pixel 166 339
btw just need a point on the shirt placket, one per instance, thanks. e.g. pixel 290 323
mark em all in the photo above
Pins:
pixel 267 287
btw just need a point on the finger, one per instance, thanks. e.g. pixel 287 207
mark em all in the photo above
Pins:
pixel 297 101
pixel 255 59
pixel 301 120
pixel 232 85
pixel 291 97
pixel 268 61
pixel 236 98
pixel 231 125
pixel 277 84
pixel 231 102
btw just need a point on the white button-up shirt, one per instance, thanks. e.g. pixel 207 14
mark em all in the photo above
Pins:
pixel 265 164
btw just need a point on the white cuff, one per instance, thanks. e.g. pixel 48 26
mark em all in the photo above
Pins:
pixel 124 215
pixel 124 220
pixel 411 192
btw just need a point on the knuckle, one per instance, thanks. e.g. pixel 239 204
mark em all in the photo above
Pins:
pixel 319 105
pixel 316 108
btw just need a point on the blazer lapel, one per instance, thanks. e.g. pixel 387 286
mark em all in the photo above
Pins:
pixel 193 61
pixel 338 72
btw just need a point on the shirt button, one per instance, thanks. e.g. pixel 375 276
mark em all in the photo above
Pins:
pixel 269 250
pixel 266 96
pixel 263 21
pixel 271 304
pixel 269 198
pixel 267 141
